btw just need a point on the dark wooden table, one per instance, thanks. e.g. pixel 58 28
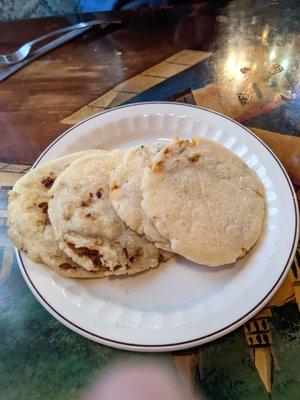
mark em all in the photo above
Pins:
pixel 37 98
pixel 240 58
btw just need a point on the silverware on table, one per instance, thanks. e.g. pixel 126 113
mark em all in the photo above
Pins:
pixel 54 44
pixel 23 51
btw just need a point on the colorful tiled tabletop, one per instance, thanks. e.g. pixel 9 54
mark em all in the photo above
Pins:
pixel 239 60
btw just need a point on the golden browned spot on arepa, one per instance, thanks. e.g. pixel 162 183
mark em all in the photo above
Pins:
pixel 157 167
pixel 195 141
pixel 167 151
pixel 259 193
pixel 113 186
pixel 48 181
pixel 194 157
pixel 99 192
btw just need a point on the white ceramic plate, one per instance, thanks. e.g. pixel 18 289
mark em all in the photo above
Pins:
pixel 180 304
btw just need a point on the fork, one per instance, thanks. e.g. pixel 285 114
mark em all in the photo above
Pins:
pixel 22 52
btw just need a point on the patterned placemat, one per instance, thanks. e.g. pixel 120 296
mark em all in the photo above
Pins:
pixel 126 91
pixel 242 93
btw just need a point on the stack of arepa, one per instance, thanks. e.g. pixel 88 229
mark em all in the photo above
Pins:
pixel 97 213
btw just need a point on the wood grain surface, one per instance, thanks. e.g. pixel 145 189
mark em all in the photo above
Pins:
pixel 34 100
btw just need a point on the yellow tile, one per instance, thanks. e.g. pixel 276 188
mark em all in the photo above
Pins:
pixel 263 363
pixel 9 178
pixel 2 164
pixel 111 99
pixel 264 313
pixel 164 70
pixel 284 294
pixel 121 98
pixel 208 97
pixel 138 84
pixel 188 57
pixel 297 293
pixel 104 101
pixel 81 114
pixel 187 366
pixel 223 98
pixel 14 168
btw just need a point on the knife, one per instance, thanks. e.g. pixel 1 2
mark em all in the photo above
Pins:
pixel 48 47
